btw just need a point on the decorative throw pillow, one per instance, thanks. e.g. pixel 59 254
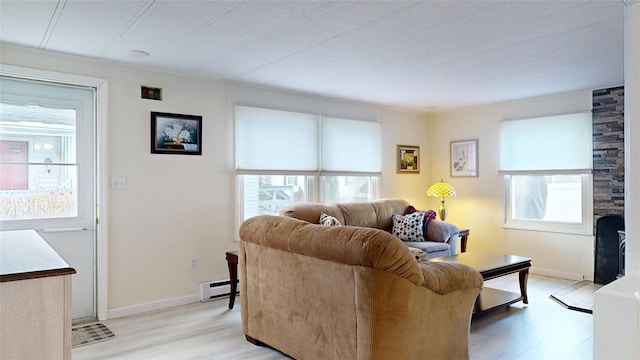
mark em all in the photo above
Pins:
pixel 418 253
pixel 428 216
pixel 328 220
pixel 408 227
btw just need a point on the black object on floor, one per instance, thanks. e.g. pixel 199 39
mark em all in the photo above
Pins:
pixel 606 252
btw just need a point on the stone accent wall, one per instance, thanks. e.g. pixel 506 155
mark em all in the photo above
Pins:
pixel 608 152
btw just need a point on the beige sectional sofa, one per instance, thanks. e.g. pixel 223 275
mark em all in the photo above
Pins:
pixel 350 292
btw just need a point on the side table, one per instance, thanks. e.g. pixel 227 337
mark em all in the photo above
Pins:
pixel 232 263
pixel 464 236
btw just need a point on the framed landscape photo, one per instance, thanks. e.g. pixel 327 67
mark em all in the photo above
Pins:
pixel 176 134
pixel 408 159
pixel 464 158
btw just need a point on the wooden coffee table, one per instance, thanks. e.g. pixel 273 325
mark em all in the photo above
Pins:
pixel 492 266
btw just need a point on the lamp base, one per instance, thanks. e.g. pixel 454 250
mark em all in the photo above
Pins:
pixel 442 211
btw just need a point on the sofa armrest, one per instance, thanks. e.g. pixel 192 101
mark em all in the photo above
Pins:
pixel 444 277
pixel 453 242
pixel 441 231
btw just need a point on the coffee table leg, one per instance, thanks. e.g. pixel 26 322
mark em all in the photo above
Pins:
pixel 524 276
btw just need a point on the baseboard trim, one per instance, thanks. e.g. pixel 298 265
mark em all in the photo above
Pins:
pixel 557 274
pixel 152 306
pixel 189 299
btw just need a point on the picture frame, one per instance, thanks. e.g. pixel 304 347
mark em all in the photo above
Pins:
pixel 463 158
pixel 176 134
pixel 151 93
pixel 408 159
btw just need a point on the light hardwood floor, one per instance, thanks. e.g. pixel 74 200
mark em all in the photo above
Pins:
pixel 540 330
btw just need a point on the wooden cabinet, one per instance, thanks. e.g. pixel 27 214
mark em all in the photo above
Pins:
pixel 35 298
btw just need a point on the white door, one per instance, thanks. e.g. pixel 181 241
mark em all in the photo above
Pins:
pixel 47 181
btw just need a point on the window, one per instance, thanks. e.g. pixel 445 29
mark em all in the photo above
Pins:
pixel 286 157
pixel 546 163
pixel 348 188
pixel 266 194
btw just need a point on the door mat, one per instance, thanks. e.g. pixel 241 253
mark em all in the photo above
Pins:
pixel 578 296
pixel 90 334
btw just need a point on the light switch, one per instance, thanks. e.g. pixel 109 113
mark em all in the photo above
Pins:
pixel 118 182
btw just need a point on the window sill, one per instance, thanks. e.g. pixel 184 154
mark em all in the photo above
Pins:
pixel 550 227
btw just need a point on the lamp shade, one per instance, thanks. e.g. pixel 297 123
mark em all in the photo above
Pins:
pixel 441 189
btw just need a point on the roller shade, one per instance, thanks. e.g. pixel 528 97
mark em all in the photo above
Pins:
pixel 350 145
pixel 276 140
pixel 555 143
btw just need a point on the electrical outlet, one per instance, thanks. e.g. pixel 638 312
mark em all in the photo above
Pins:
pixel 193 264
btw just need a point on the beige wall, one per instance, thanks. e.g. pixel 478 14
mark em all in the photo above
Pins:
pixel 179 207
pixel 479 202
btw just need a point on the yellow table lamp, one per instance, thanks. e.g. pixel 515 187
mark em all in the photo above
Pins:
pixel 441 189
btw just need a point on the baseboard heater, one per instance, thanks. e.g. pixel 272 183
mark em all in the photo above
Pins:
pixel 214 290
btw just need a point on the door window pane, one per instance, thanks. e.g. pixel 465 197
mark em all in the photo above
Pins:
pixel 37 162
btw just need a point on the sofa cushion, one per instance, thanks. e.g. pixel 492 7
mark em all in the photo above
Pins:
pixel 310 212
pixel 408 227
pixel 385 208
pixel 360 214
pixel 431 246
pixel 441 231
pixel 328 220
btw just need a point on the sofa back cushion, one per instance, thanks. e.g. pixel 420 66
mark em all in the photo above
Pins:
pixel 350 245
pixel 374 214
pixel 310 212
pixel 359 214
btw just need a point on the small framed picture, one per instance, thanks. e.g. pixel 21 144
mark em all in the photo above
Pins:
pixel 464 158
pixel 150 93
pixel 176 134
pixel 408 159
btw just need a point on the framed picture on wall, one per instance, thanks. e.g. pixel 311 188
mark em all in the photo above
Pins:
pixel 464 158
pixel 176 134
pixel 408 159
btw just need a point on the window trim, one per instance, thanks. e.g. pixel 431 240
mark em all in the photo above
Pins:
pixel 585 227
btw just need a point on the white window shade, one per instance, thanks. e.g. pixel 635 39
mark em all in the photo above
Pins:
pixel 351 146
pixel 549 143
pixel 276 140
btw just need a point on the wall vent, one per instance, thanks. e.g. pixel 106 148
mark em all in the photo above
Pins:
pixel 214 290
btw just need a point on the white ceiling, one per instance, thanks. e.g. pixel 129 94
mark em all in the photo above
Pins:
pixel 420 55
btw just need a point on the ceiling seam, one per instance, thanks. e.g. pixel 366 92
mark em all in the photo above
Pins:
pixel 216 18
pixel 134 19
pixel 261 35
pixel 453 19
pixel 211 22
pixel 325 40
pixel 53 22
